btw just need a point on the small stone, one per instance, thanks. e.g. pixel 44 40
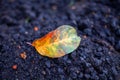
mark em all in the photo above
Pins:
pixel 118 32
pixel 43 72
pixel 36 28
pixel 73 75
pixel 47 63
pixel 84 36
pixel 114 71
pixel 54 7
pixel 87 76
pixel 98 55
pixel 118 45
pixel 80 75
pixel 23 55
pixel 88 64
pixel 98 62
pixel 99 49
pixel 60 70
pixel 14 67
pixel 73 7
pixel 88 31
pixel 102 77
pixel 69 61
pixel 62 77
pixel 112 40
pixel 19 47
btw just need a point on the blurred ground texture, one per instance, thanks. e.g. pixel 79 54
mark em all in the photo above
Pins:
pixel 96 21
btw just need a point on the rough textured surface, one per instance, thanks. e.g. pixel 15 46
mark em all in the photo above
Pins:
pixel 98 23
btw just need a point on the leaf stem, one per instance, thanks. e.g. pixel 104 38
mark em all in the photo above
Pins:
pixel 29 43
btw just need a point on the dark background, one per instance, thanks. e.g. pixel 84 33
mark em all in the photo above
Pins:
pixel 96 21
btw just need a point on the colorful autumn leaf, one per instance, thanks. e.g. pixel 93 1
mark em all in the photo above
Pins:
pixel 57 43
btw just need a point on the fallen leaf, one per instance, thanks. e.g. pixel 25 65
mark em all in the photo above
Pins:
pixel 57 43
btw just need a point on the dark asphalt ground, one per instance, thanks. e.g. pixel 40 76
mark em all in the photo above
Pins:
pixel 97 22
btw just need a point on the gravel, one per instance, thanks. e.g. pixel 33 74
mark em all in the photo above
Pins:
pixel 97 23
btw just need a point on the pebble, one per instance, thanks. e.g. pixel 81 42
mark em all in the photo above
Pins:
pixel 118 32
pixel 87 76
pixel 118 45
pixel 14 67
pixel 90 61
pixel 47 63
